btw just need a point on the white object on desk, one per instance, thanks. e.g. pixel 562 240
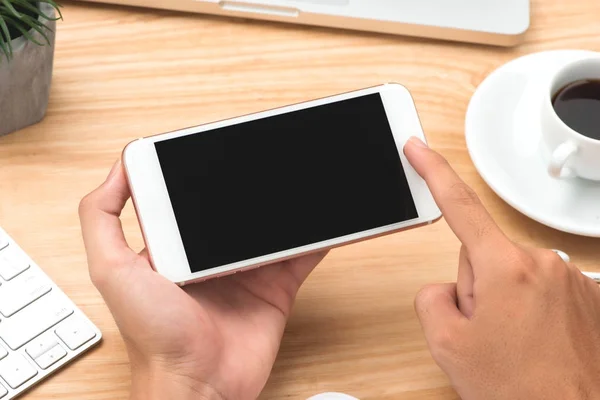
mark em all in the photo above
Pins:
pixel 496 22
pixel 332 396
pixel 595 276
pixel 41 329
pixel 504 141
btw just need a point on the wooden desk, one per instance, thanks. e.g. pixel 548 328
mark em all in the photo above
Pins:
pixel 121 73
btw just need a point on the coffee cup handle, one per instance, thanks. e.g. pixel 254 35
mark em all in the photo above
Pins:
pixel 559 159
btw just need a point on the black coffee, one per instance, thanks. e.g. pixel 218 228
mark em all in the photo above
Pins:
pixel 578 106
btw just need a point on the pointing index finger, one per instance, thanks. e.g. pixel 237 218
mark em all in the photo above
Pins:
pixel 461 207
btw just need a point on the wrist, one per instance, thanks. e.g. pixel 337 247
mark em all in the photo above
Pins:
pixel 155 383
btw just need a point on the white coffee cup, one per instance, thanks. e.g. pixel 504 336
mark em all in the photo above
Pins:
pixel 570 153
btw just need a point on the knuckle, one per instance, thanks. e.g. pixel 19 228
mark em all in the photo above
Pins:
pixel 522 266
pixel 578 276
pixel 523 259
pixel 424 297
pixel 460 193
pixel 86 203
pixel 550 258
pixel 572 268
pixel 553 264
pixel 439 162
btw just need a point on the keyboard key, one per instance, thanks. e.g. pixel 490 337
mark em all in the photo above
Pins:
pixel 3 391
pixel 75 333
pixel 50 357
pixel 41 345
pixel 12 264
pixel 3 352
pixel 33 320
pixel 3 241
pixel 16 370
pixel 22 291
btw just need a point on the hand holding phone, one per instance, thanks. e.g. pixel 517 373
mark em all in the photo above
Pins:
pixel 215 340
pixel 246 192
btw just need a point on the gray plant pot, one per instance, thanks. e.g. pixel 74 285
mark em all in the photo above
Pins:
pixel 25 80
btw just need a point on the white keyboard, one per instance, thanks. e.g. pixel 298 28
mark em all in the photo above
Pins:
pixel 40 328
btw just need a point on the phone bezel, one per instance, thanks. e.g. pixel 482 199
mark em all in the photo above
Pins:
pixel 157 218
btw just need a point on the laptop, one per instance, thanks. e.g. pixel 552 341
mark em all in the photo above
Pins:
pixel 491 22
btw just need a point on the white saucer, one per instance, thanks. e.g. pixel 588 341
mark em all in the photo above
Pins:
pixel 503 138
pixel 332 396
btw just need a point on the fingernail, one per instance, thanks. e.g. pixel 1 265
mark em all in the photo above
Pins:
pixel 417 142
pixel 113 170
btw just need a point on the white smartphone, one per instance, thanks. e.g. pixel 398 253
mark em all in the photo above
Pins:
pixel 237 194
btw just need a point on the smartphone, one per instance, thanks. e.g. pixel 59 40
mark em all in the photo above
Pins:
pixel 237 194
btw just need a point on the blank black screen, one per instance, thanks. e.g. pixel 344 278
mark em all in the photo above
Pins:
pixel 286 181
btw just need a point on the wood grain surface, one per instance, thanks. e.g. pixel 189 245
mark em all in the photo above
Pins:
pixel 121 73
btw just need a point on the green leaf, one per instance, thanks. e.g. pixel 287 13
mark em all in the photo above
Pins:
pixel 8 5
pixel 56 7
pixel 5 50
pixel 26 18
pixel 7 37
pixel 37 26
pixel 24 32
pixel 28 5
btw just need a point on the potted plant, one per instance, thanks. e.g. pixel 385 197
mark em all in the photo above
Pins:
pixel 26 59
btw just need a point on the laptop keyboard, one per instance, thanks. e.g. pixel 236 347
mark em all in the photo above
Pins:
pixel 40 328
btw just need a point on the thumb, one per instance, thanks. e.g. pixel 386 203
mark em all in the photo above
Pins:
pixel 99 214
pixel 437 310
